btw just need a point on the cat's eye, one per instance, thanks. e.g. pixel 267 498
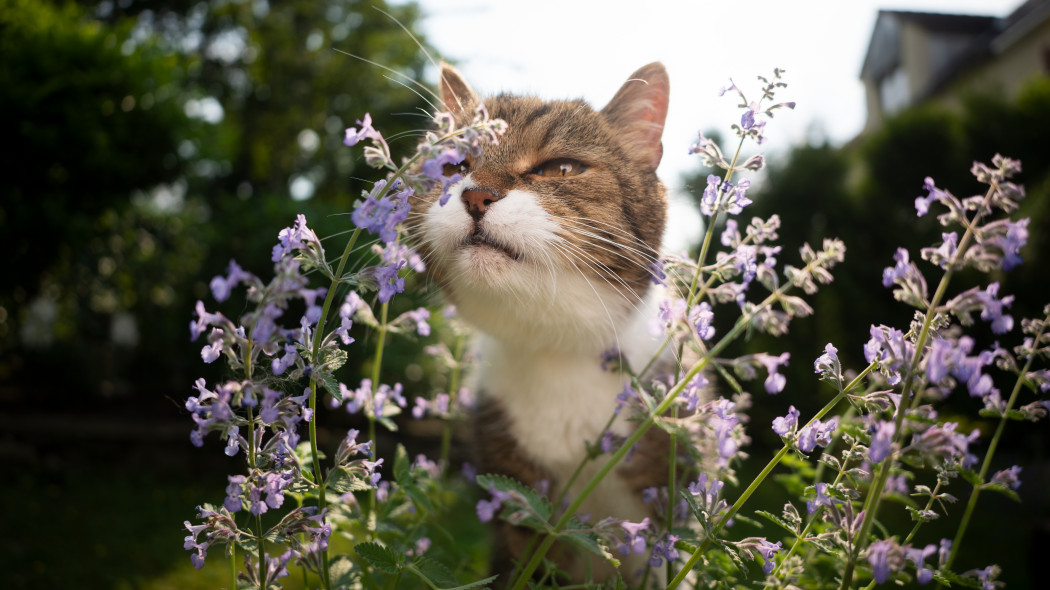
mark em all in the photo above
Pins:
pixel 462 168
pixel 559 168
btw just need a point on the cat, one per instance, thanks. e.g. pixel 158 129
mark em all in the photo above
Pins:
pixel 546 247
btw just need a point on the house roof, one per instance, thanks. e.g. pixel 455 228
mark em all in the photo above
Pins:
pixel 989 36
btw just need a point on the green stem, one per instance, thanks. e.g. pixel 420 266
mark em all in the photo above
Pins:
pixel 992 446
pixel 735 508
pixel 315 351
pixel 233 566
pixel 453 390
pixel 871 503
pixel 377 366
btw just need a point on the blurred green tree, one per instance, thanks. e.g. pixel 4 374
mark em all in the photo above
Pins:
pixel 158 140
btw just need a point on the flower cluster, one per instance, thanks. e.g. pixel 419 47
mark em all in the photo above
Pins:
pixel 262 411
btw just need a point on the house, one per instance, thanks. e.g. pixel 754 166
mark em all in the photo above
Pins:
pixel 915 57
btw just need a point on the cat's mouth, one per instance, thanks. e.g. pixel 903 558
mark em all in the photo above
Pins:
pixel 479 238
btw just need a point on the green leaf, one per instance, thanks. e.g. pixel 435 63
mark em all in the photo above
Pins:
pixel 342 480
pixel 329 384
pixel 341 572
pixel 699 514
pixel 586 540
pixel 479 584
pixel 419 498
pixel 1004 490
pixel 379 557
pixel 972 477
pixel 402 468
pixel 779 522
pixel 433 571
pixel 539 504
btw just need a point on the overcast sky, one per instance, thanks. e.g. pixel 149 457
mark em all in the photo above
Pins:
pixel 588 48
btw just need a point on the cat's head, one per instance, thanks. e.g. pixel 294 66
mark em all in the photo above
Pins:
pixel 552 233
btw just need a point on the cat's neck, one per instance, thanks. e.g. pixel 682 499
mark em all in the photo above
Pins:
pixel 577 317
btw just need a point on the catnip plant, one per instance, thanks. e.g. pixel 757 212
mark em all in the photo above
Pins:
pixel 878 436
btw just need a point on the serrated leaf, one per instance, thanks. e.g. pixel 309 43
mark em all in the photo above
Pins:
pixel 735 556
pixel 508 485
pixel 329 384
pixel 479 584
pixel 402 468
pixel 587 541
pixel 342 480
pixel 379 557
pixel 433 571
pixel 972 477
pixel 1003 490
pixel 691 502
pixel 341 572
pixel 779 522
pixel 419 498
pixel 248 544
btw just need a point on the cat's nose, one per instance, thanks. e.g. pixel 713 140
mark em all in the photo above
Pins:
pixel 477 202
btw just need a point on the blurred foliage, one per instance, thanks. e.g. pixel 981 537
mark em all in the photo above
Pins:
pixel 156 141
pixel 864 193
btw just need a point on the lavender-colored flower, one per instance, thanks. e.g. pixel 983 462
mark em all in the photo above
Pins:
pixel 707 493
pixel 731 234
pixel 297 237
pixel 885 558
pixel 390 283
pixel 822 499
pixel 747 120
pixel 992 309
pixel 922 204
pixel 768 551
pixel 671 311
pixel 701 317
pixel 381 212
pixel 1008 477
pixel 941 441
pixel 785 425
pixel 923 574
pixel 693 392
pixel 664 549
pixel 353 135
pixel 881 441
pixel 987 577
pixel 709 200
pixel 634 541
pixel 774 382
pixel 736 199
pixel 827 364
pixel 817 433
pixel 890 349
pixel 419 317
pixel 434 166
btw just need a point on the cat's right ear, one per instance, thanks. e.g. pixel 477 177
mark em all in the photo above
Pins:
pixel 638 112
pixel 456 94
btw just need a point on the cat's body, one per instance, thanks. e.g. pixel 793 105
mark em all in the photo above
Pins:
pixel 546 248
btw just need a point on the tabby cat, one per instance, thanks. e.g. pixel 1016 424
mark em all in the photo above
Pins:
pixel 546 247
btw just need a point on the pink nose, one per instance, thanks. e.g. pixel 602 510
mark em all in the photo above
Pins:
pixel 478 201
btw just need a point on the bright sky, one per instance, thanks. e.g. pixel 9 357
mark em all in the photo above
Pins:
pixel 588 48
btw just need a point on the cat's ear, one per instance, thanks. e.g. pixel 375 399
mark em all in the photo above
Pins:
pixel 456 94
pixel 638 111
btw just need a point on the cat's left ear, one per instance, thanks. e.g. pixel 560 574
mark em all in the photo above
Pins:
pixel 638 112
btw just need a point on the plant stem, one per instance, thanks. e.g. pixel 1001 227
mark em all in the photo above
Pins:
pixel 377 365
pixel 453 390
pixel 315 349
pixel 992 446
pixel 871 503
